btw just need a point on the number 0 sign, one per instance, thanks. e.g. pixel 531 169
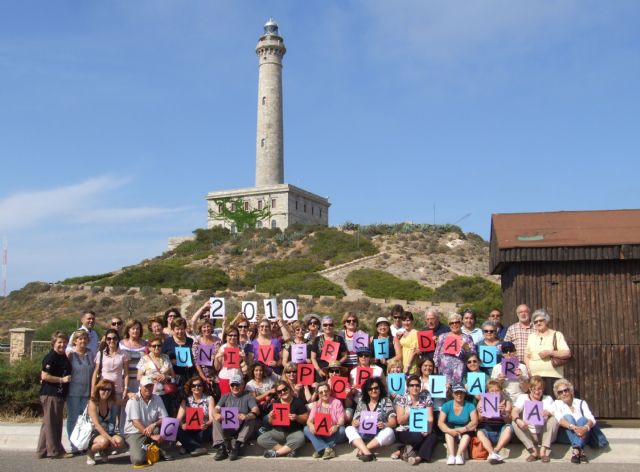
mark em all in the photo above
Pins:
pixel 289 310
pixel 250 310
pixel 216 311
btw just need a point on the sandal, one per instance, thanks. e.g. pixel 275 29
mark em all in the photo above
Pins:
pixel 545 459
pixel 397 455
pixel 532 458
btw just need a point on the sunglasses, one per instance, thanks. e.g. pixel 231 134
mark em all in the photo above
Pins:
pixel 563 391
pixel 234 385
pixel 334 371
pixel 264 326
pixel 351 321
pixel 116 323
pixel 107 390
pixel 232 335
pixel 156 346
pixel 291 372
pixel 196 385
pixel 364 354
pixel 314 323
pixel 472 362
pixel 111 338
pixel 280 391
pixel 330 325
pixel 453 323
pixel 488 331
pixel 538 321
pixel 371 389
pixel 243 326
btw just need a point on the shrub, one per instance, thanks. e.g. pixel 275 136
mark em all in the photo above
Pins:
pixel 67 324
pixel 19 386
pixel 476 292
pixel 277 269
pixel 171 274
pixel 307 284
pixel 85 278
pixel 330 244
pixel 380 284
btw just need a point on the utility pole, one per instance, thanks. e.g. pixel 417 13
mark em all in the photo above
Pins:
pixel 5 261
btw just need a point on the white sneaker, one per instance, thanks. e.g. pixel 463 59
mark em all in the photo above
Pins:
pixel 90 460
pixel 498 457
pixel 459 460
pixel 451 460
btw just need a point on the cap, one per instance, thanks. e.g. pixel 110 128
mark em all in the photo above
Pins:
pixel 382 319
pixel 508 346
pixel 363 350
pixel 146 380
pixel 458 388
pixel 334 365
pixel 236 379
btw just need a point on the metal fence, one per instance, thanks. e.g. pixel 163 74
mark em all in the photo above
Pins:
pixel 39 349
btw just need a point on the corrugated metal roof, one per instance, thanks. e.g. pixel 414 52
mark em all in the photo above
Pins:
pixel 566 228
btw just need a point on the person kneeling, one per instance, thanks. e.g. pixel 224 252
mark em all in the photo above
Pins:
pixel 229 441
pixel 144 417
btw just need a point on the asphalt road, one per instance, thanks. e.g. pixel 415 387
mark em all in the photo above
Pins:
pixel 26 462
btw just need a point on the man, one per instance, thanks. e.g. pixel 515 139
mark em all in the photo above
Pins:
pixel 144 417
pixel 88 321
pixel 496 316
pixel 469 325
pixel 432 322
pixel 396 323
pixel 229 442
pixel 518 333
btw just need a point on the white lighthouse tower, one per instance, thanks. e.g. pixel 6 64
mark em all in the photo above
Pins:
pixel 286 203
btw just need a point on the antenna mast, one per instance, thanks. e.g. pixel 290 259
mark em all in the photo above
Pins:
pixel 4 266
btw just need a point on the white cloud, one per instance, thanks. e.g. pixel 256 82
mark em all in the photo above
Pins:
pixel 77 203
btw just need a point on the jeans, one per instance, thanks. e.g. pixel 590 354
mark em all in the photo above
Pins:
pixel 192 440
pixel 75 407
pixel 571 437
pixel 320 443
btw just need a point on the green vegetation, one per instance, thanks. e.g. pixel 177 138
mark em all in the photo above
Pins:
pixel 231 210
pixel 476 292
pixel 337 247
pixel 170 275
pixel 85 278
pixel 307 284
pixel 206 240
pixel 68 325
pixel 380 284
pixel 19 386
pixel 266 271
pixel 377 229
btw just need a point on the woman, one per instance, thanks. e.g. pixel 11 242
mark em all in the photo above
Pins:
pixel 103 439
pixel 298 338
pixel 543 348
pixel 364 361
pixel 178 339
pixel 575 420
pixel 415 447
pixel 490 338
pixel 469 325
pixel 473 366
pixel 135 347
pixel 374 398
pixel 383 331
pixel 264 338
pixel 350 323
pixel 80 387
pixel 243 326
pixel 408 340
pixel 312 322
pixel 207 373
pixel 112 364
pixel 157 366
pixel 324 446
pixel 428 368
pixel 261 386
pixel 536 439
pixel 284 441
pixel 458 420
pixel 290 376
pixel 230 341
pixel 453 365
pixel 318 343
pixel 156 328
pixel 194 440
pixel 170 315
pixel 495 431
pixel 55 377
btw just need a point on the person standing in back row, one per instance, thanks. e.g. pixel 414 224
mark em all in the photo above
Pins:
pixel 518 333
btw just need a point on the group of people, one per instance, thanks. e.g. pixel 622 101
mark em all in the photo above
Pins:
pixel 223 386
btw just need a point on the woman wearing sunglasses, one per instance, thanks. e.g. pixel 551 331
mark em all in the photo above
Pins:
pixel 158 366
pixel 298 338
pixel 328 334
pixel 207 373
pixel 327 405
pixel 453 366
pixel 350 323
pixel 103 439
pixel 194 440
pixel 283 440
pixel 265 338
pixel 575 420
pixel 490 338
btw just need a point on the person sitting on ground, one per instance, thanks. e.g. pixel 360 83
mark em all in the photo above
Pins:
pixel 324 446
pixel 144 417
pixel 458 421
pixel 374 398
pixel 229 442
pixel 575 420
pixel 495 431
pixel 284 441
pixel 194 440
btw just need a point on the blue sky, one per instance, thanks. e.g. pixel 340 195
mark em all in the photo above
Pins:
pixel 117 117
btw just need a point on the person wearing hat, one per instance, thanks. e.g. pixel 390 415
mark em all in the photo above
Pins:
pixel 512 387
pixel 458 421
pixel 383 331
pixel 229 442
pixel 144 417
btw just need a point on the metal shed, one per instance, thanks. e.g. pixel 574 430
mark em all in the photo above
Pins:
pixel 584 268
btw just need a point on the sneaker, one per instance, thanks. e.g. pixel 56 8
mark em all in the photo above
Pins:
pixel 459 460
pixel 182 451
pixel 414 460
pixel 366 457
pixel 316 454
pixel 234 453
pixel 167 456
pixel 270 453
pixel 90 459
pixel 584 459
pixel 329 453
pixel 221 454
pixel 575 459
pixel 451 460
pixel 201 451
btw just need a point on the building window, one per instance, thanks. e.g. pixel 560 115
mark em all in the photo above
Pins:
pixel 259 204
pixel 296 204
pixel 233 207
pixel 264 100
pixel 304 208
pixel 233 228
pixel 312 210
pixel 262 141
pixel 259 224
pixel 320 212
pixel 273 203
pixel 246 206
pixel 219 207
pixel 273 224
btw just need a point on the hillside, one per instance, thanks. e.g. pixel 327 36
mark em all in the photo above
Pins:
pixel 414 261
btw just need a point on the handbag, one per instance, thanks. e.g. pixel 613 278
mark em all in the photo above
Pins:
pixel 477 450
pixel 555 362
pixel 99 374
pixel 82 431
